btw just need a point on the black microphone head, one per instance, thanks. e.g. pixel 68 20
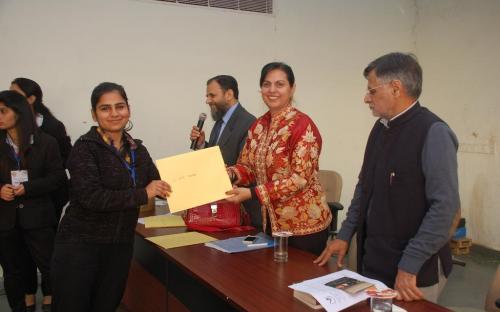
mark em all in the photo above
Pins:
pixel 201 121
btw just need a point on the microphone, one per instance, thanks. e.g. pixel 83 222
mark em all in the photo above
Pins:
pixel 199 125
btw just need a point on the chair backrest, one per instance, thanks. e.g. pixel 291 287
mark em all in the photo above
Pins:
pixel 331 182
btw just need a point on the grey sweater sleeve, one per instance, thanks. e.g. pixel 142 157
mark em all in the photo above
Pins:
pixel 351 222
pixel 439 166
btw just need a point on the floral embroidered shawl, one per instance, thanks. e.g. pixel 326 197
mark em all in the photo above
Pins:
pixel 281 157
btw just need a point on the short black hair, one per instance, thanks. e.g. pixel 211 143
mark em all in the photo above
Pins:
pixel 106 87
pixel 226 82
pixel 277 65
pixel 398 66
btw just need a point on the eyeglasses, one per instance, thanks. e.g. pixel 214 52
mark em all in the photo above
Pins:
pixel 371 91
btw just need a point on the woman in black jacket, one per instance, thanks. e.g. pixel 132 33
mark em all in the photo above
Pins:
pixel 111 176
pixel 49 124
pixel 30 168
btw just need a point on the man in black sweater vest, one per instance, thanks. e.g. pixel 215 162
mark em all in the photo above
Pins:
pixel 407 193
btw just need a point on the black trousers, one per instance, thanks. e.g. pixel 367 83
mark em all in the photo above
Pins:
pixel 31 278
pixel 38 247
pixel 18 248
pixel 89 277
pixel 46 240
pixel 10 256
pixel 314 243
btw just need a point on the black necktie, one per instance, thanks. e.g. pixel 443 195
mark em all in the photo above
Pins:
pixel 215 133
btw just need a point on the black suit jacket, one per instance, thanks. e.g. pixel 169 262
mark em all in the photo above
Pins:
pixel 45 172
pixel 56 129
pixel 53 127
pixel 233 136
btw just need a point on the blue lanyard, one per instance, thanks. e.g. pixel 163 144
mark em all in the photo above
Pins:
pixel 130 167
pixel 16 157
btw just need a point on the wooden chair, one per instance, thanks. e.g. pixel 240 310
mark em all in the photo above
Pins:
pixel 331 181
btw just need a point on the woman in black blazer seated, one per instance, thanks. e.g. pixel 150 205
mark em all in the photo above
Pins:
pixel 52 126
pixel 111 176
pixel 30 168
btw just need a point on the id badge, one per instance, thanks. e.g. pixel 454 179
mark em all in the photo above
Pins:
pixel 18 177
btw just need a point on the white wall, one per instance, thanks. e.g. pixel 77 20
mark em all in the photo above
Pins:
pixel 458 43
pixel 164 53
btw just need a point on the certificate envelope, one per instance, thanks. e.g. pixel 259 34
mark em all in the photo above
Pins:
pixel 196 178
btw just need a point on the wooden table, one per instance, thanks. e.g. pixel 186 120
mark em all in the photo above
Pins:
pixel 198 278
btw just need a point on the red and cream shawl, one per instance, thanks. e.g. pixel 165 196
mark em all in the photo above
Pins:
pixel 281 157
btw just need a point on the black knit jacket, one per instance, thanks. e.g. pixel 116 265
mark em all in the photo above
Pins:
pixel 104 204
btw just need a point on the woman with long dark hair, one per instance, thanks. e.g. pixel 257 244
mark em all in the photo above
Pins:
pixel 30 169
pixel 49 124
pixel 112 174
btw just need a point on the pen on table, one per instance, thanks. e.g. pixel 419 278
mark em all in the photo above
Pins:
pixel 257 244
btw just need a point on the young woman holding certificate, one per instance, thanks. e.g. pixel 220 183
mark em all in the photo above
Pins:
pixel 281 157
pixel 30 169
pixel 112 174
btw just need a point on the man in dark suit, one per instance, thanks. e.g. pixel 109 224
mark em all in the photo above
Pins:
pixel 232 121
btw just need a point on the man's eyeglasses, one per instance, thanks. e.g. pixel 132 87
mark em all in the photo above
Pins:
pixel 371 91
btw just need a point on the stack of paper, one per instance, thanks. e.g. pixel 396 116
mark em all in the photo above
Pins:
pixel 235 244
pixel 181 239
pixel 163 221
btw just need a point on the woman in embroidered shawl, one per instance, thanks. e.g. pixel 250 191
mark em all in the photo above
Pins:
pixel 279 166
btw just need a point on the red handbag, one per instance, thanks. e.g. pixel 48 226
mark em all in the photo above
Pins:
pixel 215 217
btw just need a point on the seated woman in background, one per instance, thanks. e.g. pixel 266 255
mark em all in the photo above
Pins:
pixel 111 176
pixel 53 127
pixel 30 169
pixel 280 157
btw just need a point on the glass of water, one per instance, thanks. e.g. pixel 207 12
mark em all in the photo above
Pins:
pixel 380 304
pixel 281 246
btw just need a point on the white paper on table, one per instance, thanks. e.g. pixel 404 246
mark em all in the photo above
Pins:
pixel 333 299
pixel 396 308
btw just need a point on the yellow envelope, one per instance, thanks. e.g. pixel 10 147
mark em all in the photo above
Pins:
pixel 163 221
pixel 197 178
pixel 181 239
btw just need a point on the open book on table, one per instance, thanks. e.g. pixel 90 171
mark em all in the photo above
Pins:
pixel 329 291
